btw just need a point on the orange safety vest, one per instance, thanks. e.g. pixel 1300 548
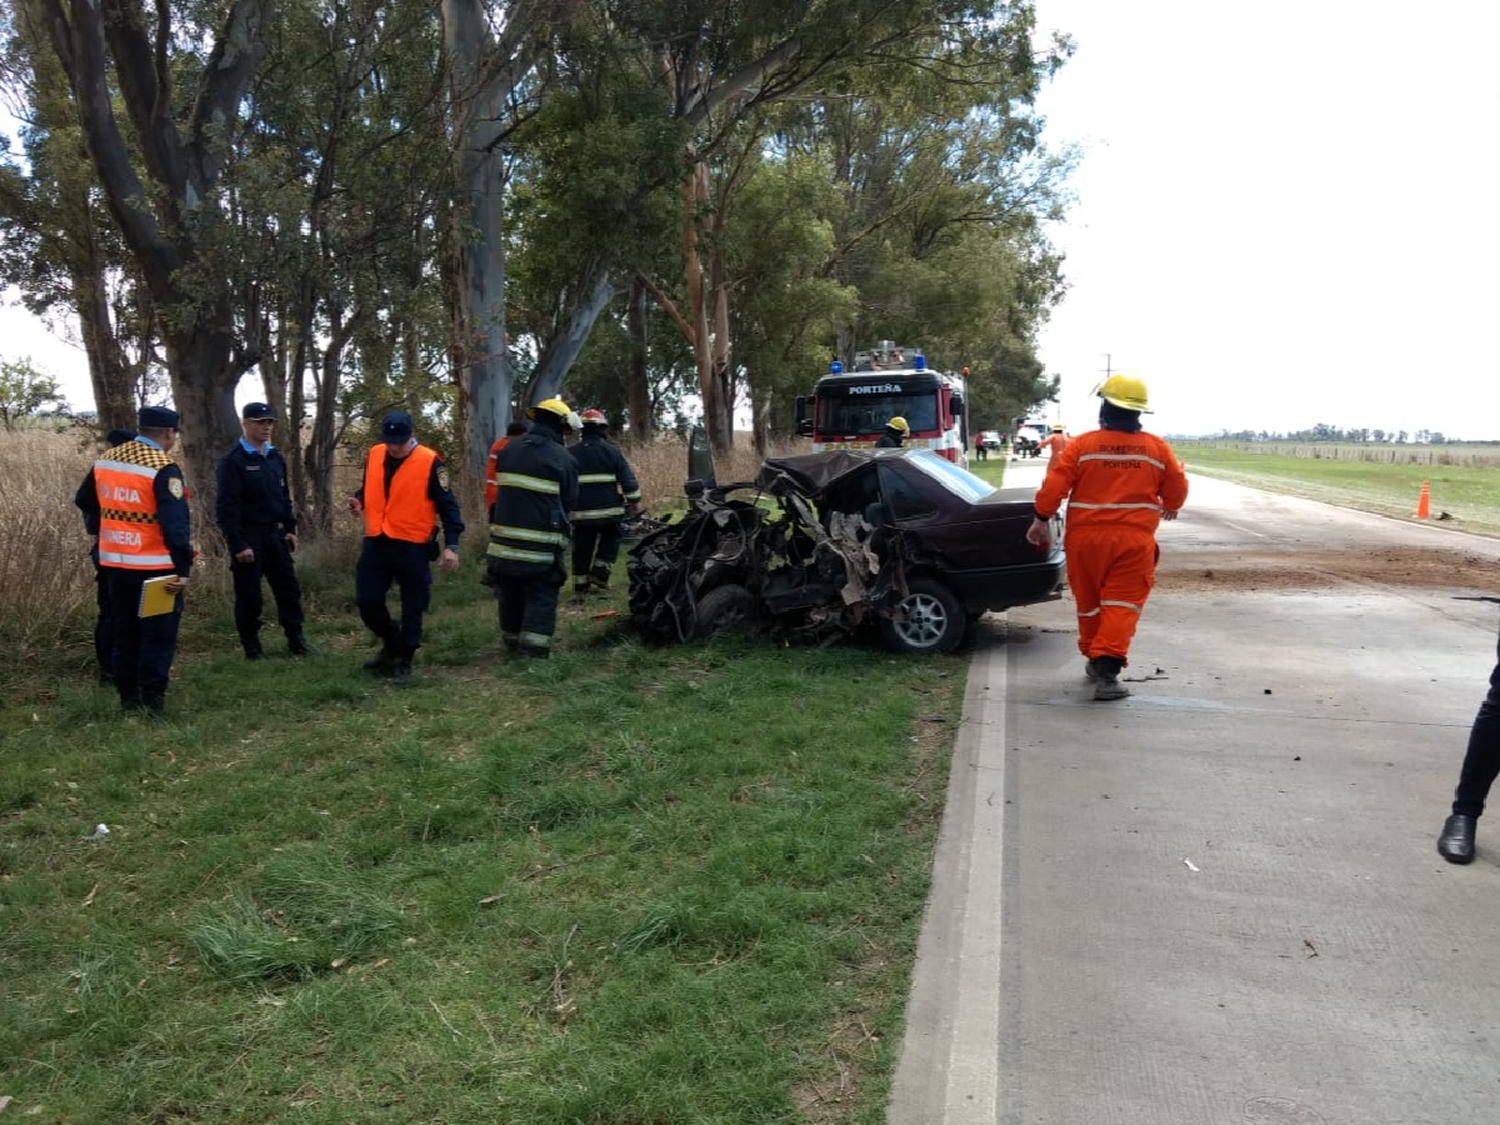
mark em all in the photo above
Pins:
pixel 408 513
pixel 1114 480
pixel 491 489
pixel 130 535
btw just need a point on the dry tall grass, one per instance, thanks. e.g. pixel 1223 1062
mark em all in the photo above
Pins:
pixel 47 579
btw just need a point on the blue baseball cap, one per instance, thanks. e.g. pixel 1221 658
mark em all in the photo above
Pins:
pixel 257 412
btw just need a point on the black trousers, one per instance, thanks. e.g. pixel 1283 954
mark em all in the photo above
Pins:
pixel 1482 759
pixel 383 561
pixel 272 562
pixel 104 623
pixel 144 647
pixel 528 608
pixel 594 545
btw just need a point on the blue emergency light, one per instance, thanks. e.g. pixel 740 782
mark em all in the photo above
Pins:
pixel 920 363
pixel 835 367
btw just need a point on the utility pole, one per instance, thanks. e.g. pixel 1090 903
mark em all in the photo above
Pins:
pixel 1106 365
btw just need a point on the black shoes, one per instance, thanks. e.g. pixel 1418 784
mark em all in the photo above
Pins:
pixel 1456 844
pixel 253 651
pixel 383 663
pixel 1104 671
pixel 296 643
pixel 401 674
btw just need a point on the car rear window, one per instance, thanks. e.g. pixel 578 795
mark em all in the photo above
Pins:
pixel 955 479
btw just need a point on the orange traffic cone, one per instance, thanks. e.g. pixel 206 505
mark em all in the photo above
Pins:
pixel 1424 502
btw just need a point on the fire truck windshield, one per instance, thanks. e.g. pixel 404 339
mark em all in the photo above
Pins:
pixel 868 414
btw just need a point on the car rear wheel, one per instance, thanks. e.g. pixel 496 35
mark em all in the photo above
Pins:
pixel 934 620
pixel 727 608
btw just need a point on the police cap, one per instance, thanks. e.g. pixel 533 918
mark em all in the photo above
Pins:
pixel 396 426
pixel 157 418
pixel 257 412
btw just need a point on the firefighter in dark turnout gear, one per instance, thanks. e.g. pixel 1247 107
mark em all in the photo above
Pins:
pixel 254 513
pixel 140 506
pixel 607 491
pixel 405 495
pixel 896 431
pixel 536 487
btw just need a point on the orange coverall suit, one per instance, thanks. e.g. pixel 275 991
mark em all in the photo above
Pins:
pixel 1057 443
pixel 1117 485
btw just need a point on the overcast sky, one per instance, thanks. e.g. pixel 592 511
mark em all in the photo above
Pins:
pixel 1288 213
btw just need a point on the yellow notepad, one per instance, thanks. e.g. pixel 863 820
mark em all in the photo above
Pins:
pixel 156 599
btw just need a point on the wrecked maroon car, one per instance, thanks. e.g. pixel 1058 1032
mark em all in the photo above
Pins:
pixel 827 545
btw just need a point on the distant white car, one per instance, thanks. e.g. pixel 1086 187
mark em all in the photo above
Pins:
pixel 989 439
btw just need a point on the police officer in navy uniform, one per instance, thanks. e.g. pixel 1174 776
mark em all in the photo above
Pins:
pixel 140 506
pixel 87 502
pixel 406 493
pixel 607 490
pixel 536 487
pixel 254 512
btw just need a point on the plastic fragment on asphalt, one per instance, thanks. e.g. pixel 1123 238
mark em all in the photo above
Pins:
pixel 1191 866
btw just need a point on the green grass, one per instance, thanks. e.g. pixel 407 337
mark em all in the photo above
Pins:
pixel 1466 488
pixel 628 885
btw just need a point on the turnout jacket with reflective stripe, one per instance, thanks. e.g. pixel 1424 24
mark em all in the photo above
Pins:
pixel 605 481
pixel 536 486
pixel 141 510
pixel 1113 479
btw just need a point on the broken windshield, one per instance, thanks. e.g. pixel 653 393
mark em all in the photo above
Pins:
pixel 956 480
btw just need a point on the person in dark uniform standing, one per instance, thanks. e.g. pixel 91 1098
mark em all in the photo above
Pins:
pixel 254 513
pixel 536 487
pixel 140 506
pixel 405 495
pixel 607 490
pixel 87 502
pixel 895 433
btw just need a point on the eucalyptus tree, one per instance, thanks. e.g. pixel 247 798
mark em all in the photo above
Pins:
pixel 62 250
pixel 336 190
pixel 159 176
pixel 719 65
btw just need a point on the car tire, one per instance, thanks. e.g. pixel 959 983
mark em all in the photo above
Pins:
pixel 935 620
pixel 724 609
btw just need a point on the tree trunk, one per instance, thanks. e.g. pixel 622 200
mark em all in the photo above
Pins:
pixel 476 232
pixel 203 383
pixel 721 422
pixel 114 386
pixel 557 357
pixel 641 419
pixel 694 194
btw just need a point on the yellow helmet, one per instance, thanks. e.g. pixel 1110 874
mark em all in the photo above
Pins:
pixel 555 406
pixel 898 423
pixel 1057 427
pixel 1126 392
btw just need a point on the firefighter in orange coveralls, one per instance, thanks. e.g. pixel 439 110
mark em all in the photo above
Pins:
pixel 1120 482
pixel 1056 442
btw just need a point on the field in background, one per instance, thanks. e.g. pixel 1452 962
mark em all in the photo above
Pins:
pixel 1464 479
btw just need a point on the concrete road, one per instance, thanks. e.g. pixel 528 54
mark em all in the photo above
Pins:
pixel 1219 902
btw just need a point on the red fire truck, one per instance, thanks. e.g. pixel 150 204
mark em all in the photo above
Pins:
pixel 849 409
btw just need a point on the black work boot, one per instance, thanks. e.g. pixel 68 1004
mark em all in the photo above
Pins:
pixel 1106 677
pixel 153 704
pixel 253 651
pixel 383 663
pixel 296 643
pixel 1456 844
pixel 401 672
pixel 599 578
